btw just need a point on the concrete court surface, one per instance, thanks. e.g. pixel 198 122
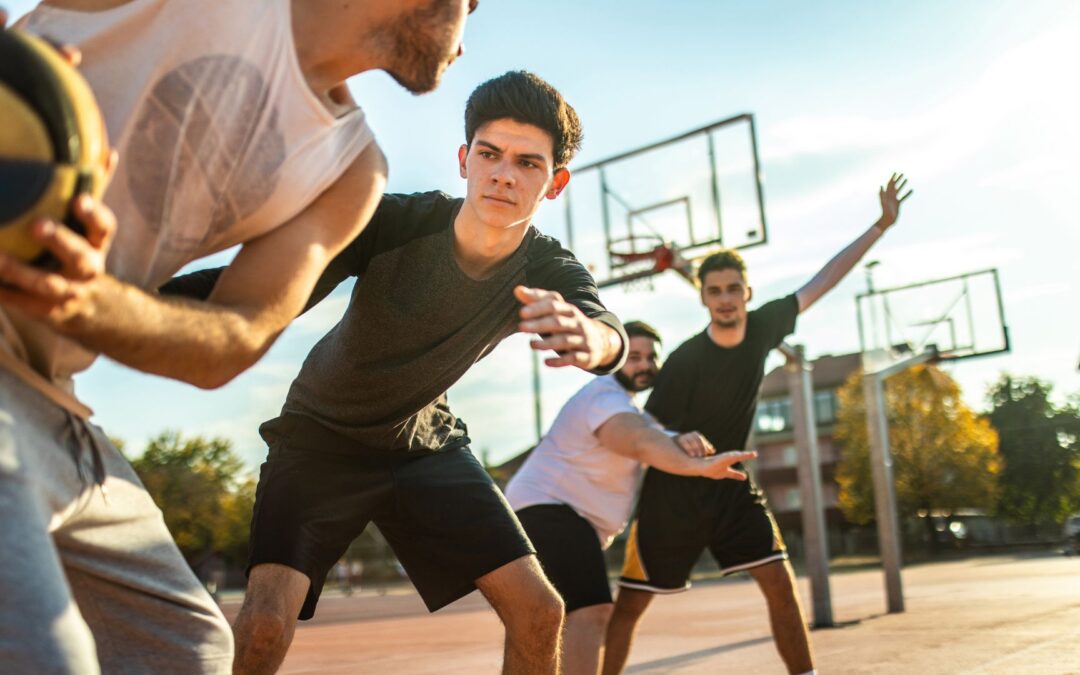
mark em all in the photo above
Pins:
pixel 1000 614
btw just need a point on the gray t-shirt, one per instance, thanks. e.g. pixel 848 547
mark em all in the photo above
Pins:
pixel 414 325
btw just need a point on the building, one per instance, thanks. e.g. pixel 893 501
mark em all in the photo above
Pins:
pixel 776 469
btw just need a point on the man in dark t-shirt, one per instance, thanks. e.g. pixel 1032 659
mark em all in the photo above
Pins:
pixel 710 384
pixel 366 433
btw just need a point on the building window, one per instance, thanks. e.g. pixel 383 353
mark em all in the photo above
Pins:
pixel 825 406
pixel 791 455
pixel 792 499
pixel 774 416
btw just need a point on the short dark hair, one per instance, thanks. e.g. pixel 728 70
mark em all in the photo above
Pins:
pixel 642 329
pixel 524 97
pixel 724 259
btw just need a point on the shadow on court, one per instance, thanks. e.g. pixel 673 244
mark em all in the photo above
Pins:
pixel 686 659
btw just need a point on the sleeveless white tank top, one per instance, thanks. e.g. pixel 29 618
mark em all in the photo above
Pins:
pixel 220 139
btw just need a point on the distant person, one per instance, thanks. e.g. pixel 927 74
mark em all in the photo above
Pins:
pixel 576 490
pixel 233 126
pixel 366 433
pixel 710 384
pixel 344 580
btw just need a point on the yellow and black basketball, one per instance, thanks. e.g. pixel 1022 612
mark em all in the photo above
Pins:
pixel 53 144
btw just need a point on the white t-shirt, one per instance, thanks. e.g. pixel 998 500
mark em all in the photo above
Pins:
pixel 220 138
pixel 571 467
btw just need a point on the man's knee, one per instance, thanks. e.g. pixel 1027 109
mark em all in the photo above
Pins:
pixel 262 630
pixel 267 618
pixel 523 597
pixel 540 609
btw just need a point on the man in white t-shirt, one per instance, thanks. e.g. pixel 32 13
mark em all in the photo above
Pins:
pixel 575 492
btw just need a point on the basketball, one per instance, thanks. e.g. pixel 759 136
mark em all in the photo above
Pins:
pixel 53 143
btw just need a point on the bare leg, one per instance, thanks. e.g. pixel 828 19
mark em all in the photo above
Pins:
pixel 583 639
pixel 532 613
pixel 777 582
pixel 267 621
pixel 629 606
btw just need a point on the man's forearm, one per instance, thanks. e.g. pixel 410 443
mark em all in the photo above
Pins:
pixel 200 343
pixel 837 268
pixel 657 449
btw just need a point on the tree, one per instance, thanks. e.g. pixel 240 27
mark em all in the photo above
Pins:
pixel 201 487
pixel 1040 445
pixel 944 456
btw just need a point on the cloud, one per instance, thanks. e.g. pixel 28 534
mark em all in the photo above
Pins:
pixel 1027 293
pixel 1021 94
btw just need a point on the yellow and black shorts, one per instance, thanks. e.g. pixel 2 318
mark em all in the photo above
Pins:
pixel 678 517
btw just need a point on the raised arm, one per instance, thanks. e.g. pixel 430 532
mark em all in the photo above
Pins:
pixel 630 435
pixel 205 344
pixel 843 262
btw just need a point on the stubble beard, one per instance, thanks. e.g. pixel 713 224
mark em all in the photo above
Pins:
pixel 630 383
pixel 417 41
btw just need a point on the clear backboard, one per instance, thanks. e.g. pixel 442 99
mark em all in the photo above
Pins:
pixel 687 195
pixel 961 316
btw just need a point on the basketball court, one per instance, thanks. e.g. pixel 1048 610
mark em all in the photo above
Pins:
pixel 999 614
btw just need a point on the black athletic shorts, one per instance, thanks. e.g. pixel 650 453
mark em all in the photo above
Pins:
pixel 678 517
pixel 441 513
pixel 569 551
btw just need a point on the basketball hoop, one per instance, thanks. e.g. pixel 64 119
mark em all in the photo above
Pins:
pixel 638 258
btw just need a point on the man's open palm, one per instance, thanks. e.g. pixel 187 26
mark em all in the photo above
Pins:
pixel 891 199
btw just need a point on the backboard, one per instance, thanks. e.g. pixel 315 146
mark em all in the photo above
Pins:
pixel 961 316
pixel 692 194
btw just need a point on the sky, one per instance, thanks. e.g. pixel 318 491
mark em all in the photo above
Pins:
pixel 975 100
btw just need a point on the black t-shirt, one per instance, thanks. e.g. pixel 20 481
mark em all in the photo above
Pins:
pixel 414 325
pixel 714 390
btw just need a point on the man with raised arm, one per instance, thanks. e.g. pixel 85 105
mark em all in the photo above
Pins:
pixel 710 384
pixel 576 490
pixel 366 433
pixel 233 126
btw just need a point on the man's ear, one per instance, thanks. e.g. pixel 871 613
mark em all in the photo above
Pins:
pixel 558 183
pixel 462 153
pixel 749 293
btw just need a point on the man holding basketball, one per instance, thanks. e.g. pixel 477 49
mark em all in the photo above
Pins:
pixel 233 127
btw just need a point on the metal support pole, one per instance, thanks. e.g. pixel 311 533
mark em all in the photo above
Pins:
pixel 815 536
pixel 888 524
pixel 878 365
pixel 537 407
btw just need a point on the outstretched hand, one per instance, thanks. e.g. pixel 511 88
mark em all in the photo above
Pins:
pixel 718 467
pixel 891 200
pixel 575 338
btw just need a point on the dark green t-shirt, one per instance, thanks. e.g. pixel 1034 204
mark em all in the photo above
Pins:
pixel 414 325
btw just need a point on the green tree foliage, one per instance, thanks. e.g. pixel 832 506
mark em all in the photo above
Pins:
pixel 944 455
pixel 1040 445
pixel 202 489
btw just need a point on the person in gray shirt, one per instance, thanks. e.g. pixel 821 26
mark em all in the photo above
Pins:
pixel 366 433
